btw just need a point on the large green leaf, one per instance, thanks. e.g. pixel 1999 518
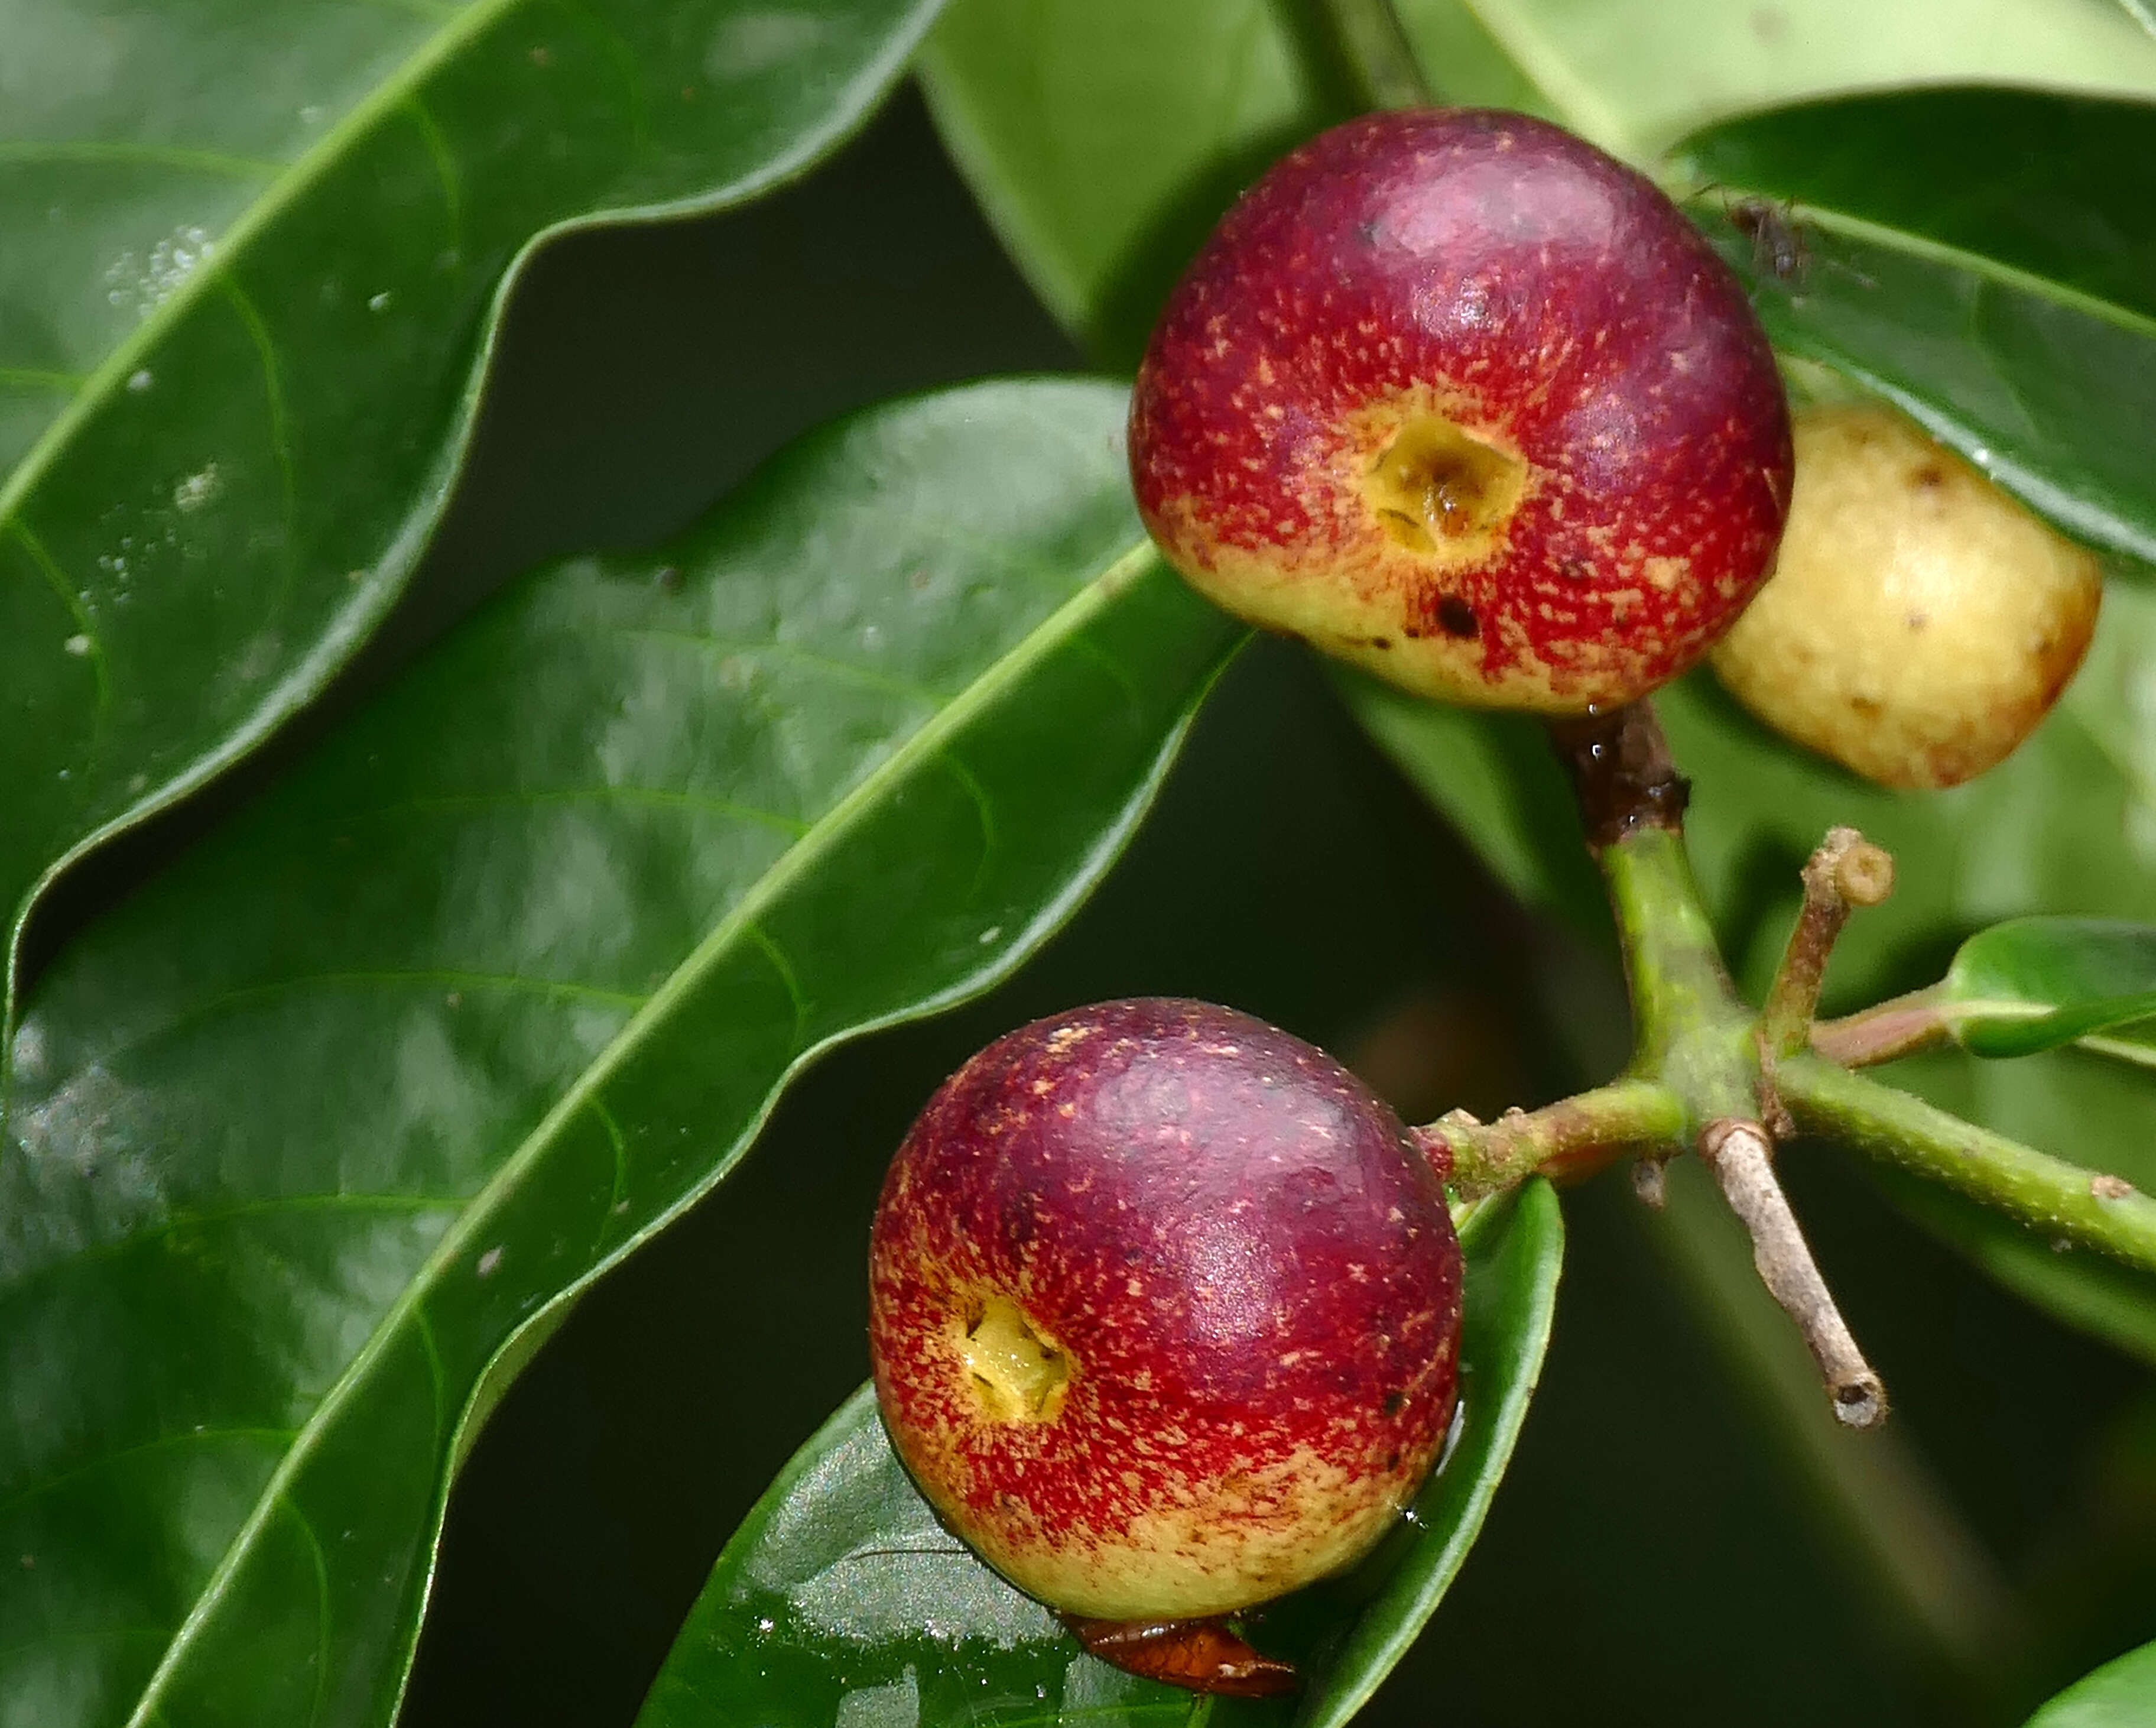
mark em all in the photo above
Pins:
pixel 1104 137
pixel 317 1134
pixel 1982 258
pixel 2119 1695
pixel 841 1598
pixel 252 259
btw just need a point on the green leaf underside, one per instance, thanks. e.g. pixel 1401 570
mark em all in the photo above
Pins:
pixel 2120 1694
pixel 2002 298
pixel 506 973
pixel 252 260
pixel 2035 983
pixel 841 1600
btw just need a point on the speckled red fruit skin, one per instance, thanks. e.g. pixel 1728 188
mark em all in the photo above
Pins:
pixel 1251 1269
pixel 1547 298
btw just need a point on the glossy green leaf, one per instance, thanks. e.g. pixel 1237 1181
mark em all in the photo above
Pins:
pixel 841 1598
pixel 1104 137
pixel 1982 258
pixel 252 260
pixel 2119 1695
pixel 2035 983
pixel 316 1133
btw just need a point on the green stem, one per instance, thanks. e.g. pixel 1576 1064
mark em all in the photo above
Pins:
pixel 1690 1030
pixel 1374 51
pixel 1566 1141
pixel 1678 987
pixel 2064 1201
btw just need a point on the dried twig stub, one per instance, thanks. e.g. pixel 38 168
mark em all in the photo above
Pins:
pixel 1847 871
pixel 1741 1157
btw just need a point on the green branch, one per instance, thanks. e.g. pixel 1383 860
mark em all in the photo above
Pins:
pixel 2064 1201
pixel 1567 1141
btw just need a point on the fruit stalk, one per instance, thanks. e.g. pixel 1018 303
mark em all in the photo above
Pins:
pixel 1567 1141
pixel 1693 1035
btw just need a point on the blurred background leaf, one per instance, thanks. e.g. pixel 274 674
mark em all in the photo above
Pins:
pixel 842 1596
pixel 505 974
pixel 253 271
pixel 2117 1696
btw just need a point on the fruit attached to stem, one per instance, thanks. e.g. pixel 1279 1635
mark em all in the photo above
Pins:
pixel 1454 394
pixel 1164 1310
pixel 1920 622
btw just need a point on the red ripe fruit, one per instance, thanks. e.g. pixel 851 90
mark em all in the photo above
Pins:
pixel 1164 1310
pixel 1455 395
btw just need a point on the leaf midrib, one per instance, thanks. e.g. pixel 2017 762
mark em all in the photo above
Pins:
pixel 1117 575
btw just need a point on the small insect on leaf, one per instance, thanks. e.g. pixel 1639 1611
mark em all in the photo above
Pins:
pixel 1777 245
pixel 1200 1655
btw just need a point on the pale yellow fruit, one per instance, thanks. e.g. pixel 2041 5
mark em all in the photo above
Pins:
pixel 1919 622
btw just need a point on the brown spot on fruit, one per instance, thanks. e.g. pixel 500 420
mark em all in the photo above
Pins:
pixel 1457 617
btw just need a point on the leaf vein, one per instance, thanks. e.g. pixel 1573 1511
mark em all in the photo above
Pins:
pixel 844 670
pixel 511 983
pixel 190 1437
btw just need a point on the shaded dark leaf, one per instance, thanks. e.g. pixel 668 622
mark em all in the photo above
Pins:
pixel 1987 268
